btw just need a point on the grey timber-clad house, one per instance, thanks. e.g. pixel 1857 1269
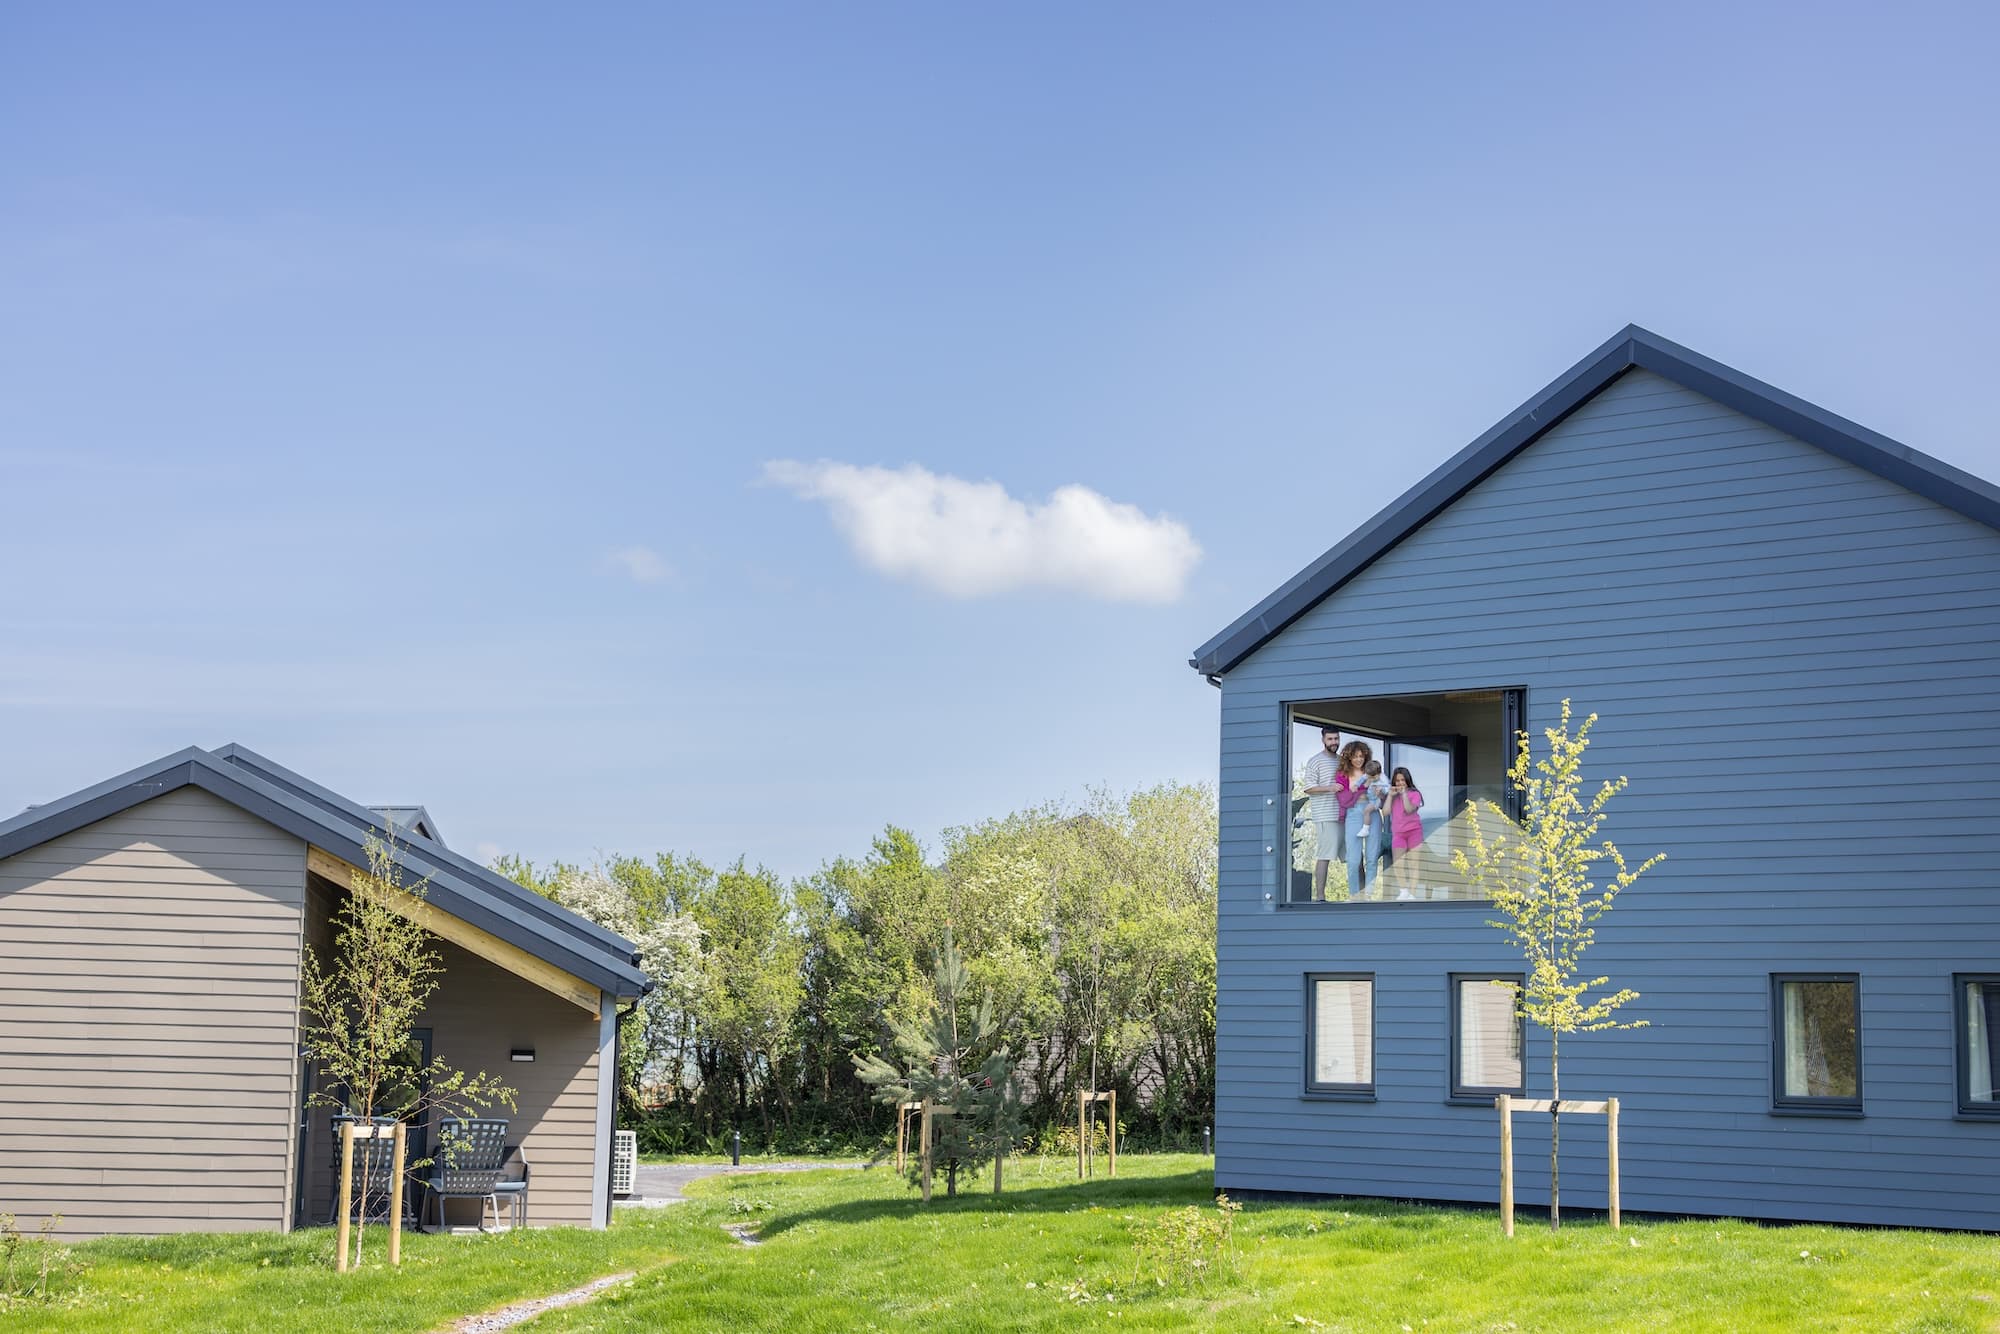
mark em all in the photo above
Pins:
pixel 1790 627
pixel 151 1078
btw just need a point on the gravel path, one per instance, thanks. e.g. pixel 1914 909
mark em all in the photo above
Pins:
pixel 657 1186
pixel 508 1316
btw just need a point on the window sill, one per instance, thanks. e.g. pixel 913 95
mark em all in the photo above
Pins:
pixel 1331 1095
pixel 1485 1101
pixel 1307 905
pixel 1992 1117
pixel 1822 1113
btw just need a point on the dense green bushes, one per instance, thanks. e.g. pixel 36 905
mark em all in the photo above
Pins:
pixel 1093 925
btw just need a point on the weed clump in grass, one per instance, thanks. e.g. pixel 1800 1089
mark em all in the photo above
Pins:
pixel 1189 1248
pixel 36 1269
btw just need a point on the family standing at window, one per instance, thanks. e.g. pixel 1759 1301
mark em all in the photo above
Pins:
pixel 1357 816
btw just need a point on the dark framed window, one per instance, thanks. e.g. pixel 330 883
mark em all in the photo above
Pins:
pixel 1816 1042
pixel 1488 1035
pixel 1976 1009
pixel 1340 1034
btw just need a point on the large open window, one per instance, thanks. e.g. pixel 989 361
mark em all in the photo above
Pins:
pixel 1454 748
pixel 1816 1042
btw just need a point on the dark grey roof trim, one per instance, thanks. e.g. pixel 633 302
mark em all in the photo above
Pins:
pixel 1631 347
pixel 413 818
pixel 550 914
pixel 490 902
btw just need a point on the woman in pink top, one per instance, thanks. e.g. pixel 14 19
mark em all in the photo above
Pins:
pixel 1406 830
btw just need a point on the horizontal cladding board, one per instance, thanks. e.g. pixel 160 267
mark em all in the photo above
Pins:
pixel 138 905
pixel 91 1101
pixel 71 1020
pixel 167 1113
pixel 236 1192
pixel 187 1215
pixel 261 1063
pixel 41 978
pixel 160 937
pixel 134 967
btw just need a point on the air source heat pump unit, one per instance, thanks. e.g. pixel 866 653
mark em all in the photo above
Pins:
pixel 624 1157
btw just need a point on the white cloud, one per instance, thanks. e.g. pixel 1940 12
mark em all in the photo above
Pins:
pixel 972 539
pixel 642 564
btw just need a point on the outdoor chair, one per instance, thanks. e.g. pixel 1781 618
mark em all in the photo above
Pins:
pixel 468 1167
pixel 373 1161
pixel 513 1185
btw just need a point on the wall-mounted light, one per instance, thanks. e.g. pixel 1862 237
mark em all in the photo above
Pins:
pixel 521 1054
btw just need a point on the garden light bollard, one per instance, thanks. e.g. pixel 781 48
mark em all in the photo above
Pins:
pixel 1208 1141
pixel 736 1148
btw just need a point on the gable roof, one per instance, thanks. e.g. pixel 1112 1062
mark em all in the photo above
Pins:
pixel 1629 348
pixel 456 885
pixel 413 818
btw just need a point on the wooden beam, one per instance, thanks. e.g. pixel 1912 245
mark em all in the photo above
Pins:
pixel 465 935
pixel 1544 1104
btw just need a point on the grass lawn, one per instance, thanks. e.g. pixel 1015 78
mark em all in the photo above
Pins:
pixel 850 1250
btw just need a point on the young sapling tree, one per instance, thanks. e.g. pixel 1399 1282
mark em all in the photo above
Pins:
pixel 360 1007
pixel 1551 878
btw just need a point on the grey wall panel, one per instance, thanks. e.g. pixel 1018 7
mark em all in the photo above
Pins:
pixel 148 1020
pixel 1752 617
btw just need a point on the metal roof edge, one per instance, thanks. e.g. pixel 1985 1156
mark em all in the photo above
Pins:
pixel 546 910
pixel 607 968
pixel 1630 347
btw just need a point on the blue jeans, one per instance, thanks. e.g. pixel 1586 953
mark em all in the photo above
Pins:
pixel 1361 856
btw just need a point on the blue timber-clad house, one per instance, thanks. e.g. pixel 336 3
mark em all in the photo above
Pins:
pixel 1790 627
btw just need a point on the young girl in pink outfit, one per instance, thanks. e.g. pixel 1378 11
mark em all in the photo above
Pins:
pixel 1406 830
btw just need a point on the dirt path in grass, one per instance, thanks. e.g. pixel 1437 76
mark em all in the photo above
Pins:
pixel 508 1316
pixel 660 1185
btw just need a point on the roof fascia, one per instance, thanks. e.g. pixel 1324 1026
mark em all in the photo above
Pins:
pixel 1630 347
pixel 551 914
pixel 244 789
pixel 1415 507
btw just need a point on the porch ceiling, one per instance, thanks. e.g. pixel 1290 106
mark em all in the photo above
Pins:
pixel 465 935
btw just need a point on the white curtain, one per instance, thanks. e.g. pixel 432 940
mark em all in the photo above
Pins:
pixel 1489 1038
pixel 1978 1044
pixel 1343 1030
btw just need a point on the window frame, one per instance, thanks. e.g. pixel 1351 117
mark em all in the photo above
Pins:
pixel 1961 1053
pixel 1336 1092
pixel 1785 1104
pixel 1478 1095
pixel 1513 716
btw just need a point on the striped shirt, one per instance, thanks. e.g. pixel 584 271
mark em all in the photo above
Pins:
pixel 1322 770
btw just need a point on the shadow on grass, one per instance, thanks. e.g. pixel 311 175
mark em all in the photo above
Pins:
pixel 1193 1187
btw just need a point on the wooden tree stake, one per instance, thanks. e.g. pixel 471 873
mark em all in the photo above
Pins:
pixel 1611 1133
pixel 925 1132
pixel 1114 1132
pixel 400 1139
pixel 346 1186
pixel 1505 1105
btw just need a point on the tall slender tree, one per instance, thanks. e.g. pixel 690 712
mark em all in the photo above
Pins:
pixel 1543 877
pixel 360 1007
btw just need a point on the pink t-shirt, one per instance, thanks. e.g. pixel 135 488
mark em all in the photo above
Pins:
pixel 1405 827
pixel 1345 794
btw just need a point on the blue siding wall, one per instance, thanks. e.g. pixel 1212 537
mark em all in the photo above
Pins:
pixel 1752 618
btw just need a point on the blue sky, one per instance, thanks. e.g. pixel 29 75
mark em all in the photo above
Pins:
pixel 399 393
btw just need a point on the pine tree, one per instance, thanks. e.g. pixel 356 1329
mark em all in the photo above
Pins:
pixel 950 1061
